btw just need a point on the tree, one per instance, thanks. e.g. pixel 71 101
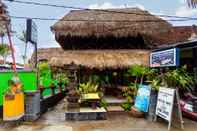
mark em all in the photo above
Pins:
pixel 22 37
pixel 4 51
pixel 192 3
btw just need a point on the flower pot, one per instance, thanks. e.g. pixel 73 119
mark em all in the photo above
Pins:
pixel 72 99
pixel 136 113
pixel 94 105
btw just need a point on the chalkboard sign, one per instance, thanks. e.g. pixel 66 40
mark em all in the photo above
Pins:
pixel 165 58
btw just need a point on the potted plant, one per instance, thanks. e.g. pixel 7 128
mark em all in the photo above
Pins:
pixel 73 96
pixel 63 80
pixel 138 72
pixel 178 78
pixel 85 89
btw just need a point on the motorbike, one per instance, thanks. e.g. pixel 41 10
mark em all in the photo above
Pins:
pixel 188 103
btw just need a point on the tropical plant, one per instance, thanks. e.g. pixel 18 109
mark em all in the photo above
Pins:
pixel 178 78
pixel 62 78
pixel 155 84
pixel 154 78
pixel 138 71
pixel 44 68
pixel 5 51
pixel 126 106
pixel 88 87
pixel 103 103
pixel 130 91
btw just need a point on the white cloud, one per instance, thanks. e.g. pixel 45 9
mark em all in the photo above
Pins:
pixel 185 11
pixel 182 1
pixel 108 5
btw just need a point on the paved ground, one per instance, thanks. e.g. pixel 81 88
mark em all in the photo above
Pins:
pixel 54 121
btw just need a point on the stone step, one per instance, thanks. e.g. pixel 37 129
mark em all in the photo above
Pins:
pixel 115 109
pixel 114 101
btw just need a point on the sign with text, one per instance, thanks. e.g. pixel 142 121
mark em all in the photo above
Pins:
pixel 165 103
pixel 165 58
pixel 168 106
pixel 32 32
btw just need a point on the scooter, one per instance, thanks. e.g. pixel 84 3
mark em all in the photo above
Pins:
pixel 188 102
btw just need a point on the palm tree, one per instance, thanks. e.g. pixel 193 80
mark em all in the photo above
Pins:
pixel 5 51
pixel 22 37
pixel 192 3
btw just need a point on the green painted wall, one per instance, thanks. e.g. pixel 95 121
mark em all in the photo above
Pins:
pixel 28 78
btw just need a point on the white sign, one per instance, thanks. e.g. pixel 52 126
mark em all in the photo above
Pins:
pixel 165 103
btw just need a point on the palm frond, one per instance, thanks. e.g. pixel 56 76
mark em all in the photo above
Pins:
pixel 192 3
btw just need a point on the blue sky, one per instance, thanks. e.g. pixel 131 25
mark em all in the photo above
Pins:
pixel 46 38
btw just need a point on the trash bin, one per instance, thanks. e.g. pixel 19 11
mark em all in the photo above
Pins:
pixel 13 107
pixel 32 105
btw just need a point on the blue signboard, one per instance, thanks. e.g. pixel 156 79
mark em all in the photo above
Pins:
pixel 143 98
pixel 165 58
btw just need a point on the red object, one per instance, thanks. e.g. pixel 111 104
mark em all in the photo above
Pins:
pixel 187 100
pixel 12 48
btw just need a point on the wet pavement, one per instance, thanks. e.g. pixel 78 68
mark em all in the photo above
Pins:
pixel 53 120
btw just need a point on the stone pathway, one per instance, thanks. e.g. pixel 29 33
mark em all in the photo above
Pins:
pixel 53 120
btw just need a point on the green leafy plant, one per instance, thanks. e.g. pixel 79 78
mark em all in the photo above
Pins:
pixel 126 106
pixel 88 87
pixel 62 78
pixel 5 51
pixel 138 72
pixel 155 84
pixel 44 68
pixel 154 78
pixel 104 103
pixel 130 91
pixel 178 78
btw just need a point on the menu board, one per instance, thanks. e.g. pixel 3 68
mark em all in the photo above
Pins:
pixel 168 106
pixel 165 58
pixel 165 103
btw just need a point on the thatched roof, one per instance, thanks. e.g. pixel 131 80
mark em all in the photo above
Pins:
pixel 99 59
pixel 113 22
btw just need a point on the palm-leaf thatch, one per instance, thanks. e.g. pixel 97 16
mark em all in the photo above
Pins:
pixel 99 59
pixel 113 23
pixel 192 3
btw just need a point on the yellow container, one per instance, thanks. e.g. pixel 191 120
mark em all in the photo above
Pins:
pixel 13 109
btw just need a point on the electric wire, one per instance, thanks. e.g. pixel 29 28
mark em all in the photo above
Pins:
pixel 103 10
